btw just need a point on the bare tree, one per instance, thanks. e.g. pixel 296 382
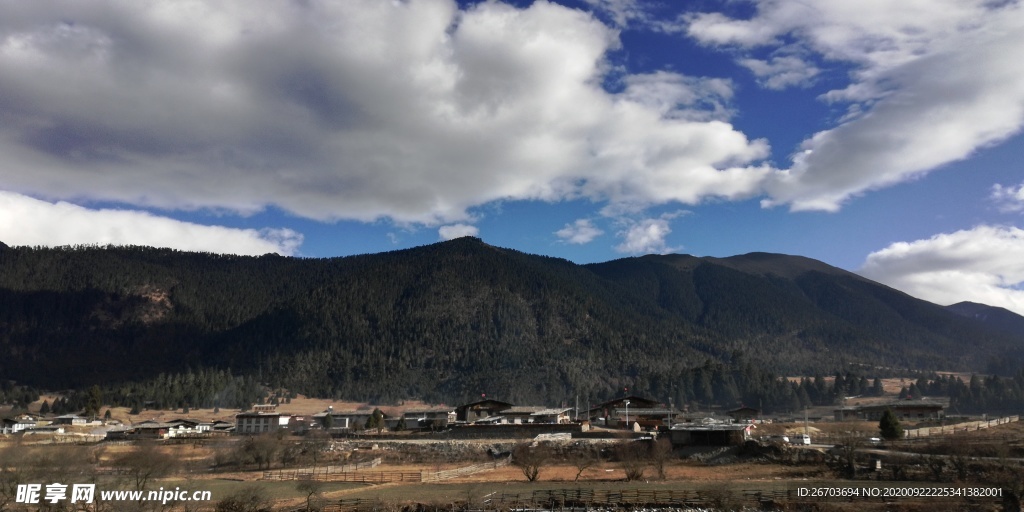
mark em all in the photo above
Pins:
pixel 315 445
pixel 530 458
pixel 313 489
pixel 661 453
pixel 845 454
pixel 260 450
pixel 582 460
pixel 634 457
pixel 146 462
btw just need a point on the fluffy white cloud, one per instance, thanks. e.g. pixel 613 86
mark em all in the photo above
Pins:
pixel 984 264
pixel 457 231
pixel 782 71
pixel 933 81
pixel 675 96
pixel 647 236
pixel 413 111
pixel 1008 198
pixel 28 221
pixel 622 12
pixel 583 231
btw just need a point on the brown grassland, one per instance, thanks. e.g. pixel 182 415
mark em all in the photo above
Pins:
pixel 729 479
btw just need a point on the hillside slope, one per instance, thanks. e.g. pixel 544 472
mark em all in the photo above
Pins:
pixel 451 320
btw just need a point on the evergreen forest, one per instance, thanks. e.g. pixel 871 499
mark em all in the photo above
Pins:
pixel 449 321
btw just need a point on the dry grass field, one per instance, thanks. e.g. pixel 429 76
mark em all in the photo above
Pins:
pixel 195 462
pixel 300 405
pixel 731 479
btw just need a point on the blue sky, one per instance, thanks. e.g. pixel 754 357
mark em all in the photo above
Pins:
pixel 878 137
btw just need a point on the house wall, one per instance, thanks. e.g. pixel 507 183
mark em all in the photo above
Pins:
pixel 256 424
pixel 509 431
pixel 731 437
pixel 905 413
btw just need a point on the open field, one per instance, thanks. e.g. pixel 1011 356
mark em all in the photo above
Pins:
pixel 300 405
pixel 734 482
pixel 730 480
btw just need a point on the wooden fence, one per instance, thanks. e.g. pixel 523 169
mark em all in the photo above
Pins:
pixel 355 473
pixel 375 477
pixel 437 476
pixel 319 472
pixel 959 427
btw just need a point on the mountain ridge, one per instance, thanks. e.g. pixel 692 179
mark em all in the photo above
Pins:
pixel 996 317
pixel 447 320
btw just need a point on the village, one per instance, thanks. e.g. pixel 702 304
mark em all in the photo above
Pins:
pixel 486 418
pixel 627 451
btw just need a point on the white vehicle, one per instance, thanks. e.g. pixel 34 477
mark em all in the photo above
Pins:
pixel 800 439
pixel 778 439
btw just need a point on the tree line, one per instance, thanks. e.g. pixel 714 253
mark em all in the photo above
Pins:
pixel 447 322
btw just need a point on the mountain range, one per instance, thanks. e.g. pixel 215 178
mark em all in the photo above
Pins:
pixel 452 320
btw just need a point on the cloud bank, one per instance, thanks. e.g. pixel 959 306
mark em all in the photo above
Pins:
pixel 931 83
pixel 984 264
pixel 413 111
pixel 28 221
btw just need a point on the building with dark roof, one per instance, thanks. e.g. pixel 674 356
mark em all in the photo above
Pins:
pixel 480 410
pixel 918 409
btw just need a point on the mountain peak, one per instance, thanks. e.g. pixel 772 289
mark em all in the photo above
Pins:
pixel 782 265
pixel 994 317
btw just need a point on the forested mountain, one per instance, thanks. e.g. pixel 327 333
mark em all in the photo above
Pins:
pixel 448 321
pixel 997 318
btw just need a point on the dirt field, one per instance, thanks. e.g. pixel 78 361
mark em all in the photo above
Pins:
pixel 300 405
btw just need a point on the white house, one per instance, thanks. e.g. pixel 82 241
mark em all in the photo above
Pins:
pixel 13 426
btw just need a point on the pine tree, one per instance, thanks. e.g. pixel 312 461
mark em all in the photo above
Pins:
pixel 876 387
pixel 376 420
pixel 92 407
pixel 890 426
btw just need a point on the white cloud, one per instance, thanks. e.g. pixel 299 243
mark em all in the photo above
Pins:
pixel 984 264
pixel 622 12
pixel 782 71
pixel 933 82
pixel 647 236
pixel 28 221
pixel 411 111
pixel 1008 198
pixel 580 232
pixel 675 96
pixel 457 231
